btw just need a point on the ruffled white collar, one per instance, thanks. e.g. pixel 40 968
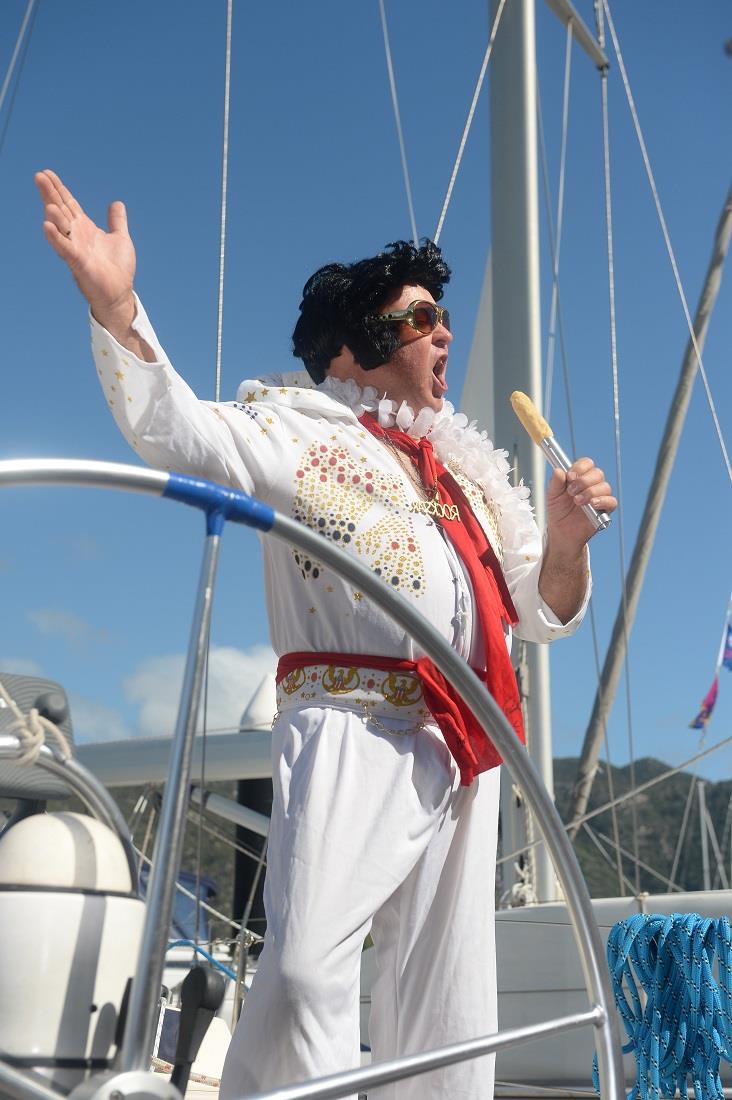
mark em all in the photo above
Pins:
pixel 457 443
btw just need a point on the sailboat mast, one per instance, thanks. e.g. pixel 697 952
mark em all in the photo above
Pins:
pixel 516 326
pixel 506 351
pixel 648 525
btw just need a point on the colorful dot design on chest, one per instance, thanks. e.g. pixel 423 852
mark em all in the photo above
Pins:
pixel 335 491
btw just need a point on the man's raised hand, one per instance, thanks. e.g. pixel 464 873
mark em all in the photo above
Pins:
pixel 102 262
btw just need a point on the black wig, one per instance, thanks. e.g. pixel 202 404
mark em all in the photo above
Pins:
pixel 340 301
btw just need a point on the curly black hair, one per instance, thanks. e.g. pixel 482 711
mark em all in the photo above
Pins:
pixel 340 301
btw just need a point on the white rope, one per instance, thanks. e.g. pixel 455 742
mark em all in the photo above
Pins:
pixel 16 52
pixel 667 238
pixel 398 121
pixel 32 729
pixel 557 240
pixel 616 425
pixel 469 121
pixel 224 185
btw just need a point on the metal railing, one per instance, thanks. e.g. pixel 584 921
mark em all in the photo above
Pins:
pixel 221 504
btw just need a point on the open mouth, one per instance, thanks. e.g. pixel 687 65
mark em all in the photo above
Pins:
pixel 439 384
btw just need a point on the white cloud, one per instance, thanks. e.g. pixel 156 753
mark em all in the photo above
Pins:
pixel 20 666
pixel 96 722
pixel 233 677
pixel 77 631
pixel 92 721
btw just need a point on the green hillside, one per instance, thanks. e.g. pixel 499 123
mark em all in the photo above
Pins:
pixel 659 815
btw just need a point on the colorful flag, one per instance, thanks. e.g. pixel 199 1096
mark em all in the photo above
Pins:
pixel 727 658
pixel 700 722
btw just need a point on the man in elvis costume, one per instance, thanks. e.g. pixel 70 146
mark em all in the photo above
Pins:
pixel 385 792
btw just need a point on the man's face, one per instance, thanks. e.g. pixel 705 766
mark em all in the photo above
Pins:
pixel 416 371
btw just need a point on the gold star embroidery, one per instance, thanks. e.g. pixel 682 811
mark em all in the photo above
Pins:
pixel 113 389
pixel 129 398
pixel 126 362
pixel 329 588
pixel 217 412
pixel 105 353
pixel 295 439
pixel 263 431
pixel 283 391
pixel 265 391
pixel 270 420
pixel 334 437
pixel 111 403
pixel 250 397
pixel 363 458
pixel 119 375
pixel 358 595
pixel 311 610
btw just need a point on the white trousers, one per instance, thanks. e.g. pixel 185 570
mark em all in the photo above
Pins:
pixel 371 832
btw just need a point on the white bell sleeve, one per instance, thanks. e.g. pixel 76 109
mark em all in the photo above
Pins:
pixel 167 425
pixel 537 621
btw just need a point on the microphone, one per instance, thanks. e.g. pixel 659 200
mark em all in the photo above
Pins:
pixel 542 435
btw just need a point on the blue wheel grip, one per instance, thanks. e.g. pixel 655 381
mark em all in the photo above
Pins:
pixel 219 503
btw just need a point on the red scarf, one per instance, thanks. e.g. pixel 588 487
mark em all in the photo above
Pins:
pixel 470 746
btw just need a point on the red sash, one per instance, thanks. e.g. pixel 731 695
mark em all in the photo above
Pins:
pixel 470 746
pixel 471 749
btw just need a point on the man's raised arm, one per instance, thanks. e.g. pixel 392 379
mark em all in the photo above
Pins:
pixel 102 262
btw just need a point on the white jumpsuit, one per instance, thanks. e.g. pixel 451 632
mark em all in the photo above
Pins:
pixel 371 830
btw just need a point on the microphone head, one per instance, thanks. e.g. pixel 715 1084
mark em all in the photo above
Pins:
pixel 530 417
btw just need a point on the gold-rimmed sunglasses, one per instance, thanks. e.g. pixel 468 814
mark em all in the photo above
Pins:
pixel 424 317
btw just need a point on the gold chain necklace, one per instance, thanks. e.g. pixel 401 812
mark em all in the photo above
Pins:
pixel 430 505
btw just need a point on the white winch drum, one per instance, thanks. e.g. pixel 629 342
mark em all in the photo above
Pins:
pixel 71 931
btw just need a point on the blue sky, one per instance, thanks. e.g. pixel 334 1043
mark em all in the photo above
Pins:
pixel 124 101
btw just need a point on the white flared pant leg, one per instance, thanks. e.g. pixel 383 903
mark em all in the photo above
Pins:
pixel 354 810
pixel 435 947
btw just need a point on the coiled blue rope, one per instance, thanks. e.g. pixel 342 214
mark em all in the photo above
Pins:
pixel 685 1027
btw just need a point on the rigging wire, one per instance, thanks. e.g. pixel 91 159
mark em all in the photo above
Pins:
pixel 16 52
pixel 712 834
pixel 225 838
pixel 190 895
pixel 725 840
pixel 682 830
pixel 606 855
pixel 469 120
pixel 672 886
pixel 616 420
pixel 573 441
pixel 557 241
pixel 224 187
pixel 398 121
pixel 22 43
pixel 666 237
pixel 640 789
